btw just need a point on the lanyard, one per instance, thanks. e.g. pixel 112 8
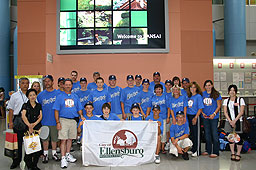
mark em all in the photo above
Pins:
pixel 22 97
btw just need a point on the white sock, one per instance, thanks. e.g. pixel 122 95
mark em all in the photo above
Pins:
pixel 67 154
pixel 46 152
pixel 53 152
pixel 63 157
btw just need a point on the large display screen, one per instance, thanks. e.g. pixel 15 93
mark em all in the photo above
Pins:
pixel 112 26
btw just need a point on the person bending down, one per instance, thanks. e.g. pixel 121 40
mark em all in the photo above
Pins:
pixel 179 141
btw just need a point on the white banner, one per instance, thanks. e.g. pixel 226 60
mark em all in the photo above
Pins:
pixel 118 143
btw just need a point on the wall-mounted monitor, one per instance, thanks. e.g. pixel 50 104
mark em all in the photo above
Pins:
pixel 112 26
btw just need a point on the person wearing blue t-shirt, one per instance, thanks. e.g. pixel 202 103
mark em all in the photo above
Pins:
pixel 155 117
pixel 61 81
pixel 135 110
pixel 177 103
pixel 76 84
pixel 179 137
pixel 156 80
pixel 138 80
pixel 160 99
pixel 47 98
pixel 129 96
pixel 185 83
pixel 92 86
pixel 67 107
pixel 99 96
pixel 115 94
pixel 168 86
pixel 88 116
pixel 212 104
pixel 83 94
pixel 144 97
pixel 106 108
pixel 195 106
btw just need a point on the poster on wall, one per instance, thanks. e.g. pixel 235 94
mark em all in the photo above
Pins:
pixel 112 26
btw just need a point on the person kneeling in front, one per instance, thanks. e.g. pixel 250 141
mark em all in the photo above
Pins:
pixel 179 141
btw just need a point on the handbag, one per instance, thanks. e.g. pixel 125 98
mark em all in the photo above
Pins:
pixel 11 145
pixel 18 123
pixel 246 125
pixel 32 143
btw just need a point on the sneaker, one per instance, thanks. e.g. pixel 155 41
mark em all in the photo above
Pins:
pixel 64 163
pixel 185 156
pixel 190 152
pixel 194 154
pixel 70 158
pixel 56 157
pixel 167 146
pixel 45 159
pixel 58 150
pixel 157 159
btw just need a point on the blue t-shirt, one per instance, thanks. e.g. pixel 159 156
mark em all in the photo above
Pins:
pixel 177 131
pixel 47 99
pixel 145 100
pixel 111 117
pixel 139 87
pixel 128 97
pixel 210 105
pixel 84 97
pixel 76 86
pixel 92 86
pixel 194 104
pixel 99 98
pixel 178 104
pixel 115 94
pixel 151 117
pixel 168 95
pixel 163 102
pixel 68 105
pixel 152 87
pixel 184 92
pixel 135 118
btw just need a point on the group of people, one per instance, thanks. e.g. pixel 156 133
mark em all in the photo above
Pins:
pixel 177 105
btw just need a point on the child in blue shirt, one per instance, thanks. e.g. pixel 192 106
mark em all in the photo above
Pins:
pixel 92 86
pixel 115 94
pixel 145 97
pixel 168 87
pixel 138 80
pixel 135 109
pixel 106 108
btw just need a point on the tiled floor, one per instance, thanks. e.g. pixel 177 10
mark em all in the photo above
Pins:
pixel 248 162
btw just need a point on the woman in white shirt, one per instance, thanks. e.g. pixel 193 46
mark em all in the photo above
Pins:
pixel 233 111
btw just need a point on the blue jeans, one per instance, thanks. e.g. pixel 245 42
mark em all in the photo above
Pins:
pixel 211 136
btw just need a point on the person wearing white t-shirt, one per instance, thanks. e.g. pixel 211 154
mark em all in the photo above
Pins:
pixel 233 111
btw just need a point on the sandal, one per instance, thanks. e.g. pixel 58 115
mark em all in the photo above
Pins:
pixel 163 152
pixel 233 157
pixel 238 157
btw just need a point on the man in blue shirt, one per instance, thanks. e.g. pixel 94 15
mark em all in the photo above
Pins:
pixel 145 97
pixel 61 84
pixel 129 96
pixel 83 93
pixel 99 96
pixel 138 80
pixel 92 86
pixel 156 80
pixel 76 84
pixel 47 98
pixel 115 94
pixel 67 107
pixel 185 84
pixel 179 137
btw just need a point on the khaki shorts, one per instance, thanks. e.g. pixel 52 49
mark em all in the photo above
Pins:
pixel 68 129
pixel 53 134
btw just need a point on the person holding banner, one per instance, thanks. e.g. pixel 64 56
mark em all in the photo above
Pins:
pixel 155 117
pixel 47 98
pixel 32 116
pixel 106 108
pixel 67 107
pixel 179 132
pixel 135 109
pixel 15 104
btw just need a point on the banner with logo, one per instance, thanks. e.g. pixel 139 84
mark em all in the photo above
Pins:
pixel 118 143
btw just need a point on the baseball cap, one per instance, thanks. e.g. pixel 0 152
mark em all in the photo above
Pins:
pixel 49 77
pixel 83 79
pixel 68 79
pixel 145 81
pixel 185 79
pixel 112 77
pixel 135 105
pixel 156 73
pixel 138 76
pixel 130 77
pixel 88 103
pixel 61 79
pixel 156 107
pixel 180 113
pixel 168 81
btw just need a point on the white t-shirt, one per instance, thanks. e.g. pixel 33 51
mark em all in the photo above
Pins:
pixel 16 101
pixel 231 107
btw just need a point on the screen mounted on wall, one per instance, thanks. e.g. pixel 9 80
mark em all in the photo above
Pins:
pixel 112 26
